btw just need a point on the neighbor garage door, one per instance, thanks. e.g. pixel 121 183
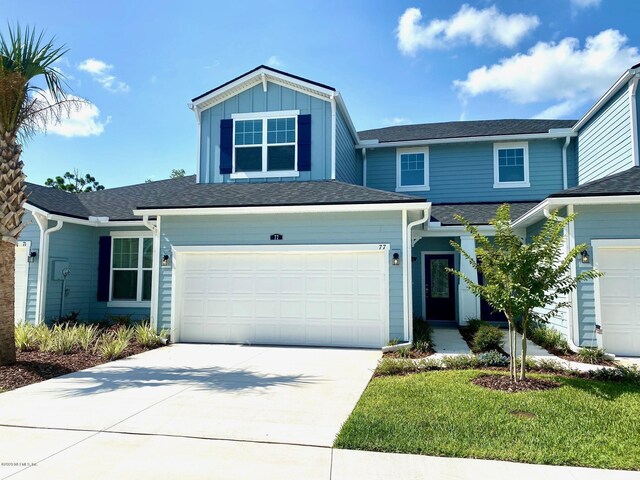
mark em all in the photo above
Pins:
pixel 302 295
pixel 618 294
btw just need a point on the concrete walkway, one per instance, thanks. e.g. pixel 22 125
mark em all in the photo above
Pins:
pixel 448 341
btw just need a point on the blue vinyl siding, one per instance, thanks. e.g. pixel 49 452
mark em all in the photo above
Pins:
pixel 78 245
pixel 560 322
pixel 256 100
pixel 31 233
pixel 572 164
pixel 599 222
pixel 604 143
pixel 343 228
pixel 348 164
pixel 463 172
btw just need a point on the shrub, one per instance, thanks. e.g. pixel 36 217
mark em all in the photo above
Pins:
pixel 591 355
pixel 68 319
pixel 110 347
pixel 393 341
pixel 26 336
pixel 619 373
pixel 550 365
pixel 529 364
pixel 548 338
pixel 147 336
pixel 63 340
pixel 86 336
pixel 421 346
pixel 460 362
pixel 422 331
pixel 488 338
pixel 492 358
pixel 474 324
pixel 426 364
pixel 125 334
pixel 395 366
pixel 120 320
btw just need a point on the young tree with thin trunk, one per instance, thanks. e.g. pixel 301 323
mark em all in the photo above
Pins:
pixel 525 281
pixel 25 108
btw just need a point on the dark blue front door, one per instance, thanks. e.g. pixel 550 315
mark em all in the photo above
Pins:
pixel 439 289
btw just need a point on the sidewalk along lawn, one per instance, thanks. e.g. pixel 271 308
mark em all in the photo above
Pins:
pixel 584 422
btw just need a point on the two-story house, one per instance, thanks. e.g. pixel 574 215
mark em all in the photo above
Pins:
pixel 298 229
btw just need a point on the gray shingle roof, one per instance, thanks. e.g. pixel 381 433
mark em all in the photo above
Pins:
pixel 478 128
pixel 322 192
pixel 475 213
pixel 623 183
pixel 119 203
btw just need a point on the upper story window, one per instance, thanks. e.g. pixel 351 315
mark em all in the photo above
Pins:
pixel 510 165
pixel 131 267
pixel 265 145
pixel 412 169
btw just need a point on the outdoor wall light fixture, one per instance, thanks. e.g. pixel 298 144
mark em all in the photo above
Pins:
pixel 396 258
pixel 585 256
pixel 32 256
pixel 165 260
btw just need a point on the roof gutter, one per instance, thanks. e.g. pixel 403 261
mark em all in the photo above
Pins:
pixel 633 87
pixel 336 208
pixel 43 261
pixel 407 280
pixel 555 133
pixel 564 162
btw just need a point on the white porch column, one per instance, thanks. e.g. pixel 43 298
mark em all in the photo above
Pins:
pixel 468 303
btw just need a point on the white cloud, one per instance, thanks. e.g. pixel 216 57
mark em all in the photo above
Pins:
pixel 560 110
pixel 82 120
pixel 275 62
pixel 99 70
pixel 395 121
pixel 580 4
pixel 559 72
pixel 469 25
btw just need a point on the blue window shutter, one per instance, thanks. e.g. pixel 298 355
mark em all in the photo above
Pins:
pixel 226 146
pixel 304 143
pixel 104 268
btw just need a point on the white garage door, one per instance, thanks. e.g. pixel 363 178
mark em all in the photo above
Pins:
pixel 619 297
pixel 315 295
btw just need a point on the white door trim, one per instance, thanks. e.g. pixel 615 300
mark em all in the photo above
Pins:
pixel 178 251
pixel 20 310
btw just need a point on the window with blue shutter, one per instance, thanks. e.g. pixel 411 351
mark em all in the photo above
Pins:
pixel 226 146
pixel 104 268
pixel 304 143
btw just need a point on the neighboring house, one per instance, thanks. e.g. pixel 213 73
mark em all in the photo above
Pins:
pixel 297 229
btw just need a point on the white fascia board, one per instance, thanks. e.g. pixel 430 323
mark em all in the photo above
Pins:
pixel 292 249
pixel 80 221
pixel 364 207
pixel 256 78
pixel 345 112
pixel 537 213
pixel 557 133
pixel 604 99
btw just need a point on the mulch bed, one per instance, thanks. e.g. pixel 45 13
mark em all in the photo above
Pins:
pixel 504 383
pixel 34 367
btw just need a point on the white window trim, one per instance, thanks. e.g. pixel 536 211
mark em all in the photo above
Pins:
pixel 496 170
pixel 264 173
pixel 412 188
pixel 138 303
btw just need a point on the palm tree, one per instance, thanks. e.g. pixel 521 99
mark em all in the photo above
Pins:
pixel 25 108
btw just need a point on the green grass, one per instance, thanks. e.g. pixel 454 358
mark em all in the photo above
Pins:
pixel 584 423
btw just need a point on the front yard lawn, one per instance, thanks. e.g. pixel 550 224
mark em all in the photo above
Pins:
pixel 583 423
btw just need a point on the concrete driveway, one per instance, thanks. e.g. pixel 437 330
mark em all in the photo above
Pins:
pixel 185 410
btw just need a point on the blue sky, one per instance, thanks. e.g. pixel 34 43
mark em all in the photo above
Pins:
pixel 139 64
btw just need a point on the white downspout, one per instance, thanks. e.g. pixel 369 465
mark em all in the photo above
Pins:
pixel 333 136
pixel 633 87
pixel 43 262
pixel 574 294
pixel 407 268
pixel 155 268
pixel 364 167
pixel 564 163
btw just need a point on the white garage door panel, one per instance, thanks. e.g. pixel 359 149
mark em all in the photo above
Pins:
pixel 619 297
pixel 303 298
